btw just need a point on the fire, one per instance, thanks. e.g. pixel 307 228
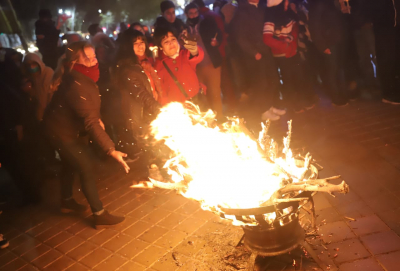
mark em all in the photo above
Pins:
pixel 222 166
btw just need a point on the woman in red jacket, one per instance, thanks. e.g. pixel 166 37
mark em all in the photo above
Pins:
pixel 281 34
pixel 176 67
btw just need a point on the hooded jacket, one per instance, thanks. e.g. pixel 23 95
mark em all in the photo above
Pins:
pixel 178 25
pixel 41 84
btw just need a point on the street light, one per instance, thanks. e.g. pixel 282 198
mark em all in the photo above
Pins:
pixel 60 11
pixel 99 10
pixel 68 13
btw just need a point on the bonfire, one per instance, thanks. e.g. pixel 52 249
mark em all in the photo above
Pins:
pixel 226 166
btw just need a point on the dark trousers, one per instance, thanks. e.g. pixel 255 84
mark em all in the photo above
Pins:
pixel 387 44
pixel 263 82
pixel 333 78
pixel 76 158
pixel 297 89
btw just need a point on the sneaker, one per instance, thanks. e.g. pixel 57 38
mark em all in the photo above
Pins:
pixel 106 219
pixel 71 206
pixel 340 102
pixel 279 112
pixel 3 242
pixel 269 115
pixel 390 101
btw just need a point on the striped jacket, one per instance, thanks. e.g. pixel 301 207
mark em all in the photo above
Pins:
pixel 282 40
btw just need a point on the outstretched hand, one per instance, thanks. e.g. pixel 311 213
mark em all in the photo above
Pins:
pixel 119 156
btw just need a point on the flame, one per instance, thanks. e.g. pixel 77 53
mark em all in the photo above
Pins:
pixel 222 166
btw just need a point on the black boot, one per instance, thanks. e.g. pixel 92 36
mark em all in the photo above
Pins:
pixel 70 205
pixel 106 219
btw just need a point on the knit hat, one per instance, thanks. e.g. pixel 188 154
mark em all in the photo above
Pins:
pixel 166 5
pixel 273 3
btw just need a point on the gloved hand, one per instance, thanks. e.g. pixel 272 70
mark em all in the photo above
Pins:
pixel 190 43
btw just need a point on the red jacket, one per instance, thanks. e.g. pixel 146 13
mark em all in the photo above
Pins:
pixel 184 69
pixel 275 38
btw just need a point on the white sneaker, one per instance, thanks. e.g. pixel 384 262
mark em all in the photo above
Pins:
pixel 269 115
pixel 277 111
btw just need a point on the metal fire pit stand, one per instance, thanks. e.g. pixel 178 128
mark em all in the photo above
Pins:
pixel 283 236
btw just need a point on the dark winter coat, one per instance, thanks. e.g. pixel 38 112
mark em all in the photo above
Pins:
pixel 137 103
pixel 326 24
pixel 247 29
pixel 75 110
pixel 178 26
pixel 51 36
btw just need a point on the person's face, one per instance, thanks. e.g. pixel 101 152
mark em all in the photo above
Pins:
pixel 88 58
pixel 170 45
pixel 169 15
pixel 139 46
pixel 193 13
pixel 139 28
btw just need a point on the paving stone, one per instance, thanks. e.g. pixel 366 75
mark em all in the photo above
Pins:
pixel 210 227
pixel 133 248
pixel 38 229
pixel 47 258
pixel 321 201
pixel 117 242
pixel 175 203
pixel 153 234
pixel 190 225
pixel 328 214
pixel 77 227
pixel 356 209
pixel 25 247
pixel 95 257
pixel 130 266
pixel 172 220
pixel 368 225
pixel 36 252
pixel 103 236
pixel 204 215
pixel 81 251
pixel 390 261
pixel 129 221
pixel 7 258
pixel 149 255
pixel 382 242
pixel 111 263
pixel 190 246
pixel 70 244
pixel 349 250
pixel 17 264
pixel 167 262
pixel 77 267
pixel 56 240
pixel 60 264
pixel 392 219
pixel 189 208
pixel 336 232
pixel 28 267
pixel 156 215
pixel 171 239
pixel 87 233
pixel 19 240
pixel 137 229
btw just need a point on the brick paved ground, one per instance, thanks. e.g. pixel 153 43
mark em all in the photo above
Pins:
pixel 361 142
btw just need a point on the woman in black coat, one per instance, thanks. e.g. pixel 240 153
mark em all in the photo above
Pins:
pixel 74 111
pixel 139 88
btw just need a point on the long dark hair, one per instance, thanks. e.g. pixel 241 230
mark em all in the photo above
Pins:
pixel 126 51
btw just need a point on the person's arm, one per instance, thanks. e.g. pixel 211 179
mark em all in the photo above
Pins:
pixel 194 60
pixel 268 37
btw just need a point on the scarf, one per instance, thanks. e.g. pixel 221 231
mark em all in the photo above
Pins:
pixel 91 72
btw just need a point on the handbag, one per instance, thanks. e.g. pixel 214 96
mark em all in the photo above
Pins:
pixel 200 99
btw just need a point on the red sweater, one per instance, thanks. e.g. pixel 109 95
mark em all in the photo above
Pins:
pixel 275 38
pixel 184 69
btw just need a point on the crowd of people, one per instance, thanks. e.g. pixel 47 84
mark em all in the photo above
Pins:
pixel 270 55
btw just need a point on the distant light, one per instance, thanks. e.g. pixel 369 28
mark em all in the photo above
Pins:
pixel 83 21
pixel 68 13
pixel 99 10
pixel 60 11
pixel 87 37
pixel 141 20
pixel 115 32
pixel 23 52
pixel 19 50
pixel 104 29
pixel 64 41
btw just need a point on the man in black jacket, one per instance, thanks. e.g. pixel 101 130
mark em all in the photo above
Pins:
pixel 385 15
pixel 168 18
pixel 326 25
pixel 260 72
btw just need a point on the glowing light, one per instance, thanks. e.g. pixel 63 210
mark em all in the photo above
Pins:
pixel 60 11
pixel 99 10
pixel 68 13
